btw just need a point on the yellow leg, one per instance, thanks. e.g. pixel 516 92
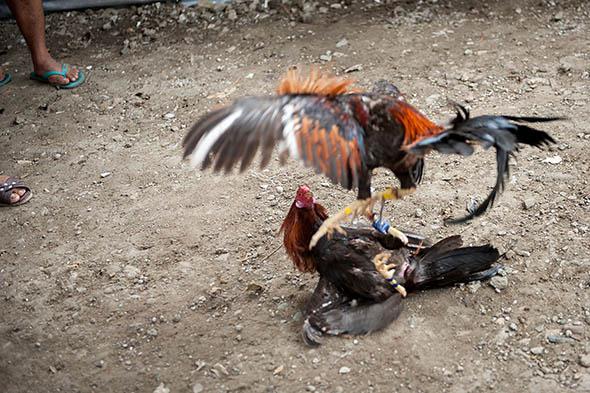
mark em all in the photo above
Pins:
pixel 359 208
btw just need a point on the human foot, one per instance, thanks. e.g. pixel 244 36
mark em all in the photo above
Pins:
pixel 4 77
pixel 57 74
pixel 13 191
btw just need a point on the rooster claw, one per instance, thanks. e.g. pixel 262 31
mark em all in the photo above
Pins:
pixel 312 336
pixel 352 211
pixel 388 271
pixel 399 234
pixel 328 227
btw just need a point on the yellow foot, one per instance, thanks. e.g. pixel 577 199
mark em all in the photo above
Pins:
pixel 361 208
pixel 331 224
pixel 388 271
pixel 393 193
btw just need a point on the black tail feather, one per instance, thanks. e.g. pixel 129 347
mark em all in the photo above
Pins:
pixel 533 119
pixel 504 133
pixel 437 268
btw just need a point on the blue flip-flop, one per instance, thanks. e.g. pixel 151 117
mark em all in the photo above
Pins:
pixel 64 69
pixel 6 80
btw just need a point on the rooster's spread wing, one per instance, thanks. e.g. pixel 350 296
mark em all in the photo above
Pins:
pixel 318 130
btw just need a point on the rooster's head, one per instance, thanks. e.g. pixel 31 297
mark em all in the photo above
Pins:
pixel 304 198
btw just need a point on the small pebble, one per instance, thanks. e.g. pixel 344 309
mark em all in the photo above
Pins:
pixel 162 389
pixel 499 282
pixel 553 160
pixel 342 43
pixel 557 17
pixel 473 286
pixel 537 350
pixel 197 388
pixel 528 203
pixel 354 68
pixel 344 370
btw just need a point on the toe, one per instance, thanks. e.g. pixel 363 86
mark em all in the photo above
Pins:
pixel 58 80
pixel 20 192
pixel 14 197
pixel 73 74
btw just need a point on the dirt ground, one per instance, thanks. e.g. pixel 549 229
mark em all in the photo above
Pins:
pixel 129 272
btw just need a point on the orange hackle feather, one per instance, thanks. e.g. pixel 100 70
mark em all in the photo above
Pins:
pixel 315 83
pixel 298 228
pixel 416 126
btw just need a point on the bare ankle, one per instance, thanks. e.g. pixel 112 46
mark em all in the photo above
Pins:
pixel 44 63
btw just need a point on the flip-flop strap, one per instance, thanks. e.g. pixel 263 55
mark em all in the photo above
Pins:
pixel 8 186
pixel 63 72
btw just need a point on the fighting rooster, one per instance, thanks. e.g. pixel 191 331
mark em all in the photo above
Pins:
pixel 364 274
pixel 345 134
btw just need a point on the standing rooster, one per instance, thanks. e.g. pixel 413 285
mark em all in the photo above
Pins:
pixel 362 273
pixel 346 134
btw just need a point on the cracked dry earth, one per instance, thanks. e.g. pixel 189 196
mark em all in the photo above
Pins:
pixel 129 272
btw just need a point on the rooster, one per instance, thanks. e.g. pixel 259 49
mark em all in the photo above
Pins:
pixel 345 134
pixel 364 274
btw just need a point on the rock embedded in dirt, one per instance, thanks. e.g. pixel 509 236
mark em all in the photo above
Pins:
pixel 509 254
pixel 326 57
pixel 232 15
pixel 558 339
pixel 473 286
pixel 499 282
pixel 557 17
pixel 344 370
pixel 342 43
pixel 198 388
pixel 554 160
pixel 353 68
pixel 19 120
pixel 162 389
pixel 537 350
pixel 584 360
pixel 528 203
